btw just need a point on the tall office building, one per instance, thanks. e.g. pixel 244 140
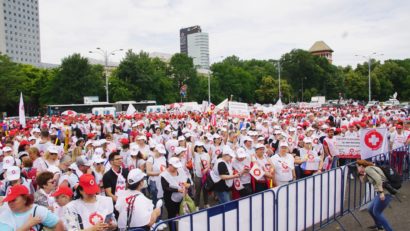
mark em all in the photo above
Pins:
pixel 20 31
pixel 195 44
pixel 183 37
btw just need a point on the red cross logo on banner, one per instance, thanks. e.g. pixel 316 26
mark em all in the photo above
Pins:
pixel 373 139
pixel 257 172
pixel 95 218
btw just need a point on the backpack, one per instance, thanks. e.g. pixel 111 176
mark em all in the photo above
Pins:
pixel 394 180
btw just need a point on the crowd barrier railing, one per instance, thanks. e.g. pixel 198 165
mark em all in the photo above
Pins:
pixel 254 212
pixel 311 203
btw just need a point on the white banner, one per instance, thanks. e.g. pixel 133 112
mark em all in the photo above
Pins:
pixel 237 109
pixel 348 147
pixel 373 141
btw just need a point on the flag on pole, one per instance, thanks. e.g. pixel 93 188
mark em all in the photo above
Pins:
pixel 22 115
pixel 373 142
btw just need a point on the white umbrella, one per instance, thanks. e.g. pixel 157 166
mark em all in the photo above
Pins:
pixel 69 113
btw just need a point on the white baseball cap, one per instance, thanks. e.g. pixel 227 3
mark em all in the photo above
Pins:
pixel 98 159
pixel 135 176
pixel 31 138
pixel 52 149
pixel 142 138
pixel 160 148
pixel 228 151
pixel 8 161
pixel 217 136
pixel 240 153
pixel 199 143
pixel 307 140
pixel 247 138
pixel 179 150
pixel 181 138
pixel 82 160
pixel 259 146
pixel 174 161
pixel 7 149
pixel 13 173
pixel 283 144
pixel 53 169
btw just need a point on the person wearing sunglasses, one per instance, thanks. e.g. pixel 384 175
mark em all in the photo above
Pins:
pixel 46 186
pixel 21 213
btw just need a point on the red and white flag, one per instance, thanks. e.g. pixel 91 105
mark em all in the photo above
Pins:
pixel 373 141
pixel 213 120
pixel 22 115
pixel 257 172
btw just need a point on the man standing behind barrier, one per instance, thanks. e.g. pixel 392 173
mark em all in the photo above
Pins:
pixel 398 139
pixel 373 174
pixel 329 147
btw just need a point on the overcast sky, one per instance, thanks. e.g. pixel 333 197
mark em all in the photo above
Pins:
pixel 260 29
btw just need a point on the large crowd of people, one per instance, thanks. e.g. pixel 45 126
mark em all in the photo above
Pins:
pixel 89 172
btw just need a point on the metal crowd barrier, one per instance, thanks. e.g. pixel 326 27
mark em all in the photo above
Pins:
pixel 311 203
pixel 253 212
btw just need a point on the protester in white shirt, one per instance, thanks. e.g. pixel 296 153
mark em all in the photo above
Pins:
pixel 283 165
pixel 136 211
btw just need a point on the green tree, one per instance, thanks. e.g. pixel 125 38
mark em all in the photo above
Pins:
pixel 12 81
pixel 268 90
pixel 74 79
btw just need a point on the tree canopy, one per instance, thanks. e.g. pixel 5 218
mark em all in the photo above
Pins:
pixel 140 77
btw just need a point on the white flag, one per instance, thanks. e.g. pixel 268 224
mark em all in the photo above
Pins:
pixel 373 141
pixel 257 172
pixel 131 110
pixel 22 115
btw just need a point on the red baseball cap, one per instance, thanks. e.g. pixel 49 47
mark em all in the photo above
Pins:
pixel 87 182
pixel 63 190
pixel 398 126
pixel 15 191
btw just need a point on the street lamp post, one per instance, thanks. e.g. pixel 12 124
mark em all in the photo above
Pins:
pixel 105 54
pixel 369 62
pixel 279 67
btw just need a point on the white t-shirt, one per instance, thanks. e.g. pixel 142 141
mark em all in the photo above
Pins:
pixel 141 213
pixel 399 140
pixel 90 213
pixel 201 161
pixel 283 167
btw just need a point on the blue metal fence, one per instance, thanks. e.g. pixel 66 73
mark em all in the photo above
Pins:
pixel 311 203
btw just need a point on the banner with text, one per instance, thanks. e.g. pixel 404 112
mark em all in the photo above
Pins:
pixel 348 147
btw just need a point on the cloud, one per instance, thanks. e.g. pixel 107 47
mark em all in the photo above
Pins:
pixel 249 29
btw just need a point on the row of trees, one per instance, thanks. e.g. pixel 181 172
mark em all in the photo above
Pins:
pixel 140 77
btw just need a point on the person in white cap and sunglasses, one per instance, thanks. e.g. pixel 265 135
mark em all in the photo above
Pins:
pixel 155 165
pixel 13 177
pixel 136 211
pixel 283 165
